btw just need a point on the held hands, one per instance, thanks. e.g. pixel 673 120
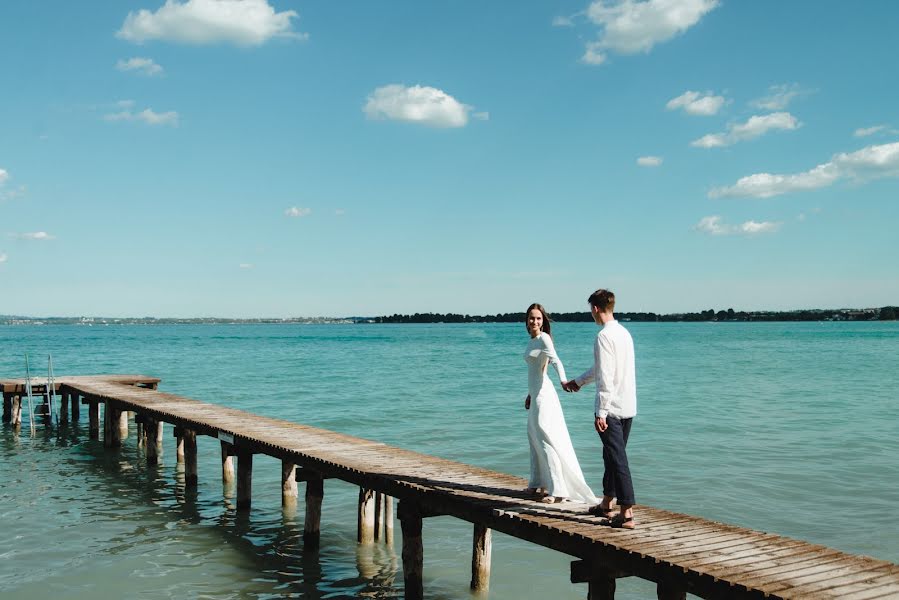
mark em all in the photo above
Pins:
pixel 600 424
pixel 527 403
pixel 570 386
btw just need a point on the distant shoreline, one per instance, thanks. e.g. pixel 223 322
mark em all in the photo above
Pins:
pixel 886 313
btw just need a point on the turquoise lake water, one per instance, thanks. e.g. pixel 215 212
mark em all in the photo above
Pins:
pixel 790 428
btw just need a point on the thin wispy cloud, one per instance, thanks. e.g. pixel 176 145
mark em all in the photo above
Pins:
pixel 144 66
pixel 695 103
pixel 3 258
pixel 756 126
pixel 296 212
pixel 715 225
pixel 418 104
pixel 649 161
pixel 245 265
pixel 147 116
pixel 562 21
pixel 779 96
pixel 37 235
pixel 4 176
pixel 633 26
pixel 872 162
pixel 866 131
pixel 340 212
pixel 200 22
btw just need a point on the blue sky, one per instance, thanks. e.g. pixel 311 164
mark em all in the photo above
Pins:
pixel 279 158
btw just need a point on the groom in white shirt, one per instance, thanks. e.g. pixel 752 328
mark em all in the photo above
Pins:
pixel 615 408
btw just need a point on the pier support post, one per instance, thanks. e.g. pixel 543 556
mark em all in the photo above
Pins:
pixel 16 411
pixel 227 463
pixel 75 399
pixel 379 515
pixel 93 413
pixel 601 588
pixel 388 520
pixel 112 432
pixel 151 427
pixel 413 550
pixel 480 558
pixel 189 440
pixel 366 517
pixel 64 407
pixel 288 483
pixel 178 433
pixel 7 407
pixel 315 492
pixel 667 590
pixel 123 425
pixel 244 479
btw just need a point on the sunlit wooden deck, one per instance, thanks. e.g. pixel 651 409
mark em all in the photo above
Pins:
pixel 683 554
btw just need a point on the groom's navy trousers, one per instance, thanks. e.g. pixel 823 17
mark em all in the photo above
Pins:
pixel 616 482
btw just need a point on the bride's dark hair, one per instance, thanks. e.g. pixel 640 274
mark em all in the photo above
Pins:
pixel 546 324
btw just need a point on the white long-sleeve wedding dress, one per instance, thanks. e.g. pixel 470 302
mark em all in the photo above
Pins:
pixel 554 465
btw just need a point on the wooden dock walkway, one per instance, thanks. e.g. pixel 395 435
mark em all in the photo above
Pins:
pixel 681 553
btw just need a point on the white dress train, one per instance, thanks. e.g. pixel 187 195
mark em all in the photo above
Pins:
pixel 554 465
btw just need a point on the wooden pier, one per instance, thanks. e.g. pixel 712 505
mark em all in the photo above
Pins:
pixel 682 554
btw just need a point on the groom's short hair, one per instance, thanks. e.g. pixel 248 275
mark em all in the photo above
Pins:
pixel 604 300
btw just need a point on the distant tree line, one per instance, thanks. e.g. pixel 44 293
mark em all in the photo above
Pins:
pixel 887 313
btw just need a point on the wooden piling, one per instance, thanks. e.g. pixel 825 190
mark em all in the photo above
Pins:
pixel 7 407
pixel 112 432
pixel 413 550
pixel 315 492
pixel 227 463
pixel 388 520
pixel 288 483
pixel 189 439
pixel 123 424
pixel 64 407
pixel 151 428
pixel 93 413
pixel 16 411
pixel 365 530
pixel 667 590
pixel 75 400
pixel 480 558
pixel 244 479
pixel 379 516
pixel 178 433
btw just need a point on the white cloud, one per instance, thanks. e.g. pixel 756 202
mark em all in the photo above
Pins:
pixel 12 194
pixel 148 116
pixel 417 104
pixel 632 26
pixel 756 126
pixel 145 66
pixel 779 96
pixel 563 22
pixel 295 211
pixel 866 131
pixel 241 22
pixel 649 161
pixel 715 225
pixel 37 235
pixel 694 103
pixel 340 212
pixel 4 176
pixel 245 265
pixel 3 258
pixel 872 162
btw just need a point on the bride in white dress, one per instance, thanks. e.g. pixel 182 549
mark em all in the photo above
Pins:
pixel 555 472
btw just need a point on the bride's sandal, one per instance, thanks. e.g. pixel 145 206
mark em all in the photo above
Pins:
pixel 550 499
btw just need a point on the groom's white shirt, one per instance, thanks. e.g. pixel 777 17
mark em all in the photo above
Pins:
pixel 616 383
